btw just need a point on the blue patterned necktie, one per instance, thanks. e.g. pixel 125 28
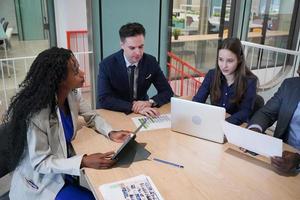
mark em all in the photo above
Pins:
pixel 131 81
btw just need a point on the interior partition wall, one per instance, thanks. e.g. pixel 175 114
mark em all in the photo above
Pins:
pixel 109 15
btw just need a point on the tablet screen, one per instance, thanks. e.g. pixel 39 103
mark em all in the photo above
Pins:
pixel 124 148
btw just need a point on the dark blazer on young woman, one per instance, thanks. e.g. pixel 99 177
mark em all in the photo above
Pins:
pixel 239 113
pixel 113 83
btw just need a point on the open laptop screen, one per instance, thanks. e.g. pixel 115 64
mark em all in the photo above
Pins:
pixel 197 119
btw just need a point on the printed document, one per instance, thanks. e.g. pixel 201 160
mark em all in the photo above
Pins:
pixel 257 142
pixel 152 123
pixel 137 188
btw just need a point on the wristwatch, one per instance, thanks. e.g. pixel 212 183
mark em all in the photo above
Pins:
pixel 152 102
pixel 297 168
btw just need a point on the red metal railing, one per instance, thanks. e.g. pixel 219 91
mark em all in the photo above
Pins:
pixel 183 78
pixel 77 41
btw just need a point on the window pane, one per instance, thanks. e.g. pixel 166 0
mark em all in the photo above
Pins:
pixel 273 17
pixel 197 23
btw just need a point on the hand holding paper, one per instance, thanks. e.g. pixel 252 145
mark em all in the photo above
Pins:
pixel 252 141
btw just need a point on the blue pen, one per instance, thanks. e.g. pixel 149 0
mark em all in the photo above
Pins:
pixel 169 163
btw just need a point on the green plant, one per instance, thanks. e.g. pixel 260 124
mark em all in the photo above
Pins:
pixel 217 14
pixel 176 33
pixel 176 19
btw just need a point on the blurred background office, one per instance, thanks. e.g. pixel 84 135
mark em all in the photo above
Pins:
pixel 183 35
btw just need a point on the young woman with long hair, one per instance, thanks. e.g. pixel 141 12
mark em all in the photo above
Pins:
pixel 231 84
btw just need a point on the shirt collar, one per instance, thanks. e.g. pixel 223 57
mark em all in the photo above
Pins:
pixel 224 81
pixel 128 63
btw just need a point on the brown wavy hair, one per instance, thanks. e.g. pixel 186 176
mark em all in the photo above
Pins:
pixel 242 72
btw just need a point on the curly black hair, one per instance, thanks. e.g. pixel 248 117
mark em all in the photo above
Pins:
pixel 37 91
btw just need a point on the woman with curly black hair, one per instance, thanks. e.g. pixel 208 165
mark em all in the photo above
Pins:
pixel 40 124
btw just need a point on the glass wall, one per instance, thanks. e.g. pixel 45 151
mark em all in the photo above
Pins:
pixel 270 24
pixel 197 25
pixel 24 27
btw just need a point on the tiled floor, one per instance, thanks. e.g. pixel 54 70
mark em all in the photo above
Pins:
pixel 24 48
pixel 17 49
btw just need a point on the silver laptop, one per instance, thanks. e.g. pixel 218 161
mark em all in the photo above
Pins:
pixel 197 119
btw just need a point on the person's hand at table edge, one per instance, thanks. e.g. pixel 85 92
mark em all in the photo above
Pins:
pixel 98 160
pixel 137 106
pixel 289 162
pixel 119 136
pixel 149 112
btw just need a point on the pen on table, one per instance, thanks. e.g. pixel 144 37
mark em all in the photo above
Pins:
pixel 169 163
pixel 138 128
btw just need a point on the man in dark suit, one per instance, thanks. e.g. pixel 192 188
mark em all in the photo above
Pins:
pixel 283 107
pixel 125 76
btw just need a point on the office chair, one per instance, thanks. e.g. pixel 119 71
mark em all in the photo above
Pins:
pixel 5 25
pixel 257 30
pixel 2 20
pixel 3 34
pixel 211 29
pixel 258 104
pixel 8 33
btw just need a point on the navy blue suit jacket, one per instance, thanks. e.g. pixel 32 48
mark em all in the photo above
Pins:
pixel 113 83
pixel 239 113
pixel 280 108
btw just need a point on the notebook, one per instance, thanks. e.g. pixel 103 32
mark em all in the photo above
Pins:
pixel 197 119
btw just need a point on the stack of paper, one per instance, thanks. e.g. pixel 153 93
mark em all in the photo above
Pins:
pixel 152 123
pixel 136 188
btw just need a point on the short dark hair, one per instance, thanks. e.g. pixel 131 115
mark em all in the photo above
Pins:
pixel 131 29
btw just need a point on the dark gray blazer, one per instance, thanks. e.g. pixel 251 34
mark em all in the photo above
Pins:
pixel 280 108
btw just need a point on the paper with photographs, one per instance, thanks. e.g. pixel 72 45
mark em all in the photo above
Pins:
pixel 136 188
